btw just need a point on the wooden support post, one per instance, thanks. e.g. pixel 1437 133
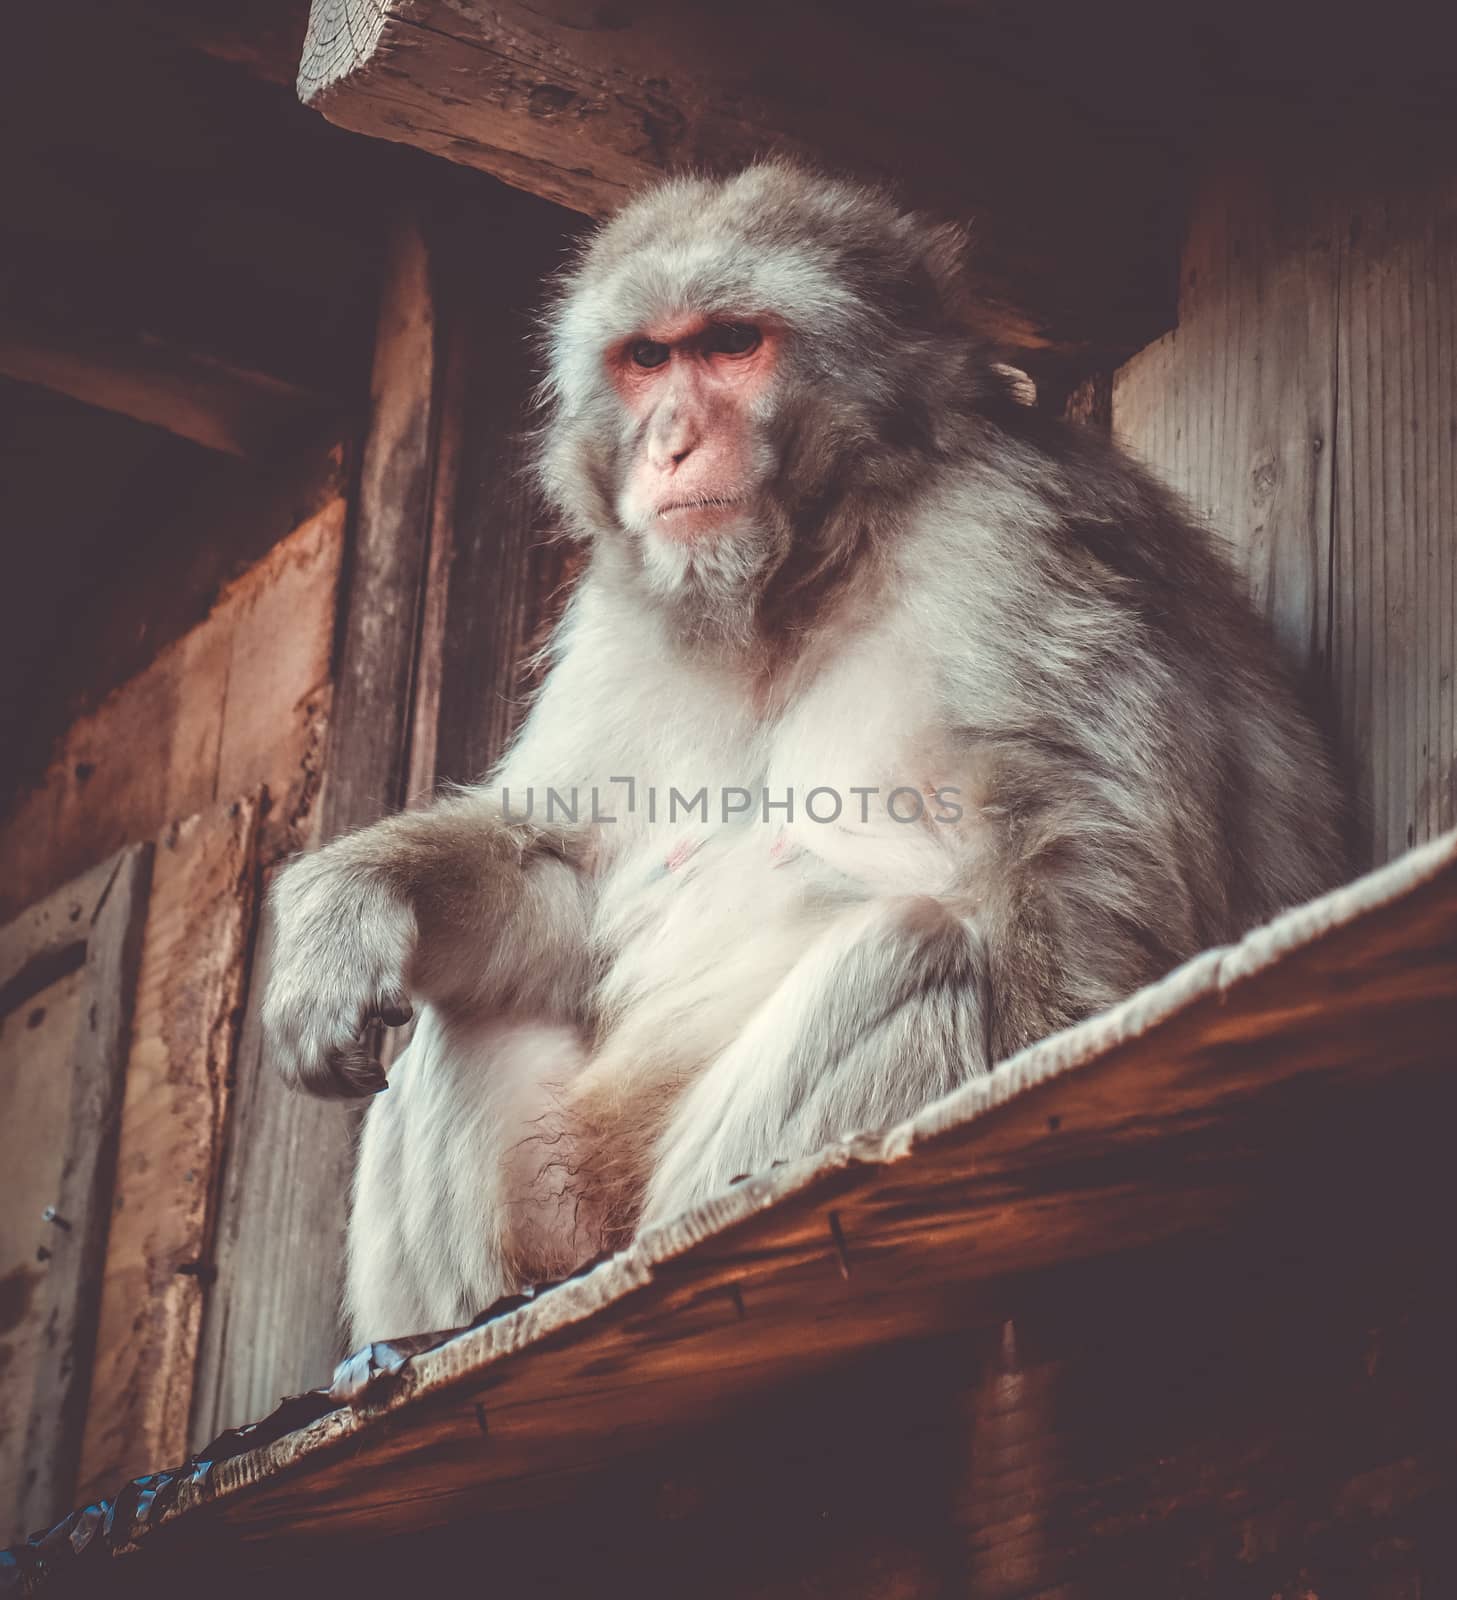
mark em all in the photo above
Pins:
pixel 500 576
pixel 273 1318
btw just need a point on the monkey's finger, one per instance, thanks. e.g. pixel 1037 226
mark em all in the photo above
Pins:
pixel 354 1073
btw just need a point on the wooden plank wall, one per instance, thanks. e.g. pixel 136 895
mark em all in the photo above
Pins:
pixel 239 701
pixel 1305 404
pixel 226 722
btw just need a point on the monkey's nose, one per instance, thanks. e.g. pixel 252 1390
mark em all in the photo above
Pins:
pixel 669 458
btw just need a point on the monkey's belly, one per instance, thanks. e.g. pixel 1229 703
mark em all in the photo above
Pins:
pixel 702 931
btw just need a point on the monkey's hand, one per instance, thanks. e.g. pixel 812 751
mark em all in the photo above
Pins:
pixel 343 939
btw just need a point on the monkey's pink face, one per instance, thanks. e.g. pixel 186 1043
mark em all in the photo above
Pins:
pixel 693 390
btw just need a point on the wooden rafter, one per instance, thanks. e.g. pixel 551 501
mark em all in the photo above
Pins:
pixel 186 391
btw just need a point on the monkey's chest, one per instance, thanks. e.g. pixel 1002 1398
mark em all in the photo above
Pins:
pixel 695 929
pixel 699 926
pixel 706 907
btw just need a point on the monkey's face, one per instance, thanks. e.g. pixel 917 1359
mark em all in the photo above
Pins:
pixel 696 393
pixel 697 396
pixel 736 370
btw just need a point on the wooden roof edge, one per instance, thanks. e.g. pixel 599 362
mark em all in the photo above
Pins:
pixel 464 1354
pixel 566 1314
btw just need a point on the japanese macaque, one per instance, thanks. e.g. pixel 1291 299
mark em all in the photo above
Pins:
pixel 892 726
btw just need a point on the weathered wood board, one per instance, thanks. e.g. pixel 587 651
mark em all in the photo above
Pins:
pixel 36 1040
pixel 1393 611
pixel 239 701
pixel 174 1117
pixel 1250 1079
pixel 1305 405
pixel 77 951
pixel 1223 1419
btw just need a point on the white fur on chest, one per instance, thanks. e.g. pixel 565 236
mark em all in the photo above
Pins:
pixel 702 911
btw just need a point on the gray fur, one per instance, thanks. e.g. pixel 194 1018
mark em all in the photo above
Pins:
pixel 935 586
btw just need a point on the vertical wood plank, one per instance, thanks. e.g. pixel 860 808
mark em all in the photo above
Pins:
pixel 365 772
pixel 1236 406
pixel 455 356
pixel 272 1323
pixel 1396 507
pixel 69 1294
pixel 496 580
pixel 179 1070
pixel 1305 404
pixel 36 1039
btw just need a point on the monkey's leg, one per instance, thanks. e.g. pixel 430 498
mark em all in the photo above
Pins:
pixel 439 1196
pixel 886 1012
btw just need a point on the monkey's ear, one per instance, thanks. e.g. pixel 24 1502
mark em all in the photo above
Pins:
pixel 947 245
pixel 946 250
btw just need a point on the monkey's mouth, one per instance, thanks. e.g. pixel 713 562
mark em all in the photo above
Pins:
pixel 696 518
pixel 704 502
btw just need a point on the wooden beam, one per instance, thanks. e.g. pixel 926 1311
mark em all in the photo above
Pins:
pixel 179 242
pixel 196 396
pixel 154 331
pixel 582 105
pixel 1220 1419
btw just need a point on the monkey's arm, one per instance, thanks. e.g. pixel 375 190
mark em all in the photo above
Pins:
pixel 884 1013
pixel 1062 911
pixel 453 904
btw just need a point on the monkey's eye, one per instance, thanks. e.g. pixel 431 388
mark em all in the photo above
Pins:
pixel 731 339
pixel 649 353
